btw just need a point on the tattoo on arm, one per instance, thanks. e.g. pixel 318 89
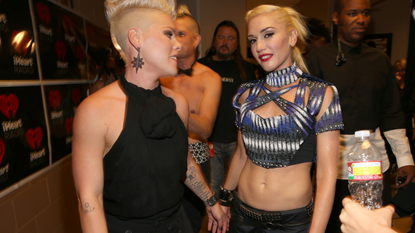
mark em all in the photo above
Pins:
pixel 89 208
pixel 197 183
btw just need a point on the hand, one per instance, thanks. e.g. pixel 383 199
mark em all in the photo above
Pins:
pixel 356 219
pixel 217 219
pixel 227 212
pixel 409 172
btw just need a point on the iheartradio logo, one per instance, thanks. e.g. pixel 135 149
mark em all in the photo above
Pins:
pixel 9 105
pixel 55 99
pixel 69 125
pixel 67 22
pixel 60 49
pixel 43 13
pixel 76 96
pixel 80 53
pixel 2 148
pixel 34 137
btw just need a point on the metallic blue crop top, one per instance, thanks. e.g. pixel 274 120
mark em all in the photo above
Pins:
pixel 288 139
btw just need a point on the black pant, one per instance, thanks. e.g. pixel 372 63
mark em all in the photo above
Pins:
pixel 246 219
pixel 177 223
pixel 342 190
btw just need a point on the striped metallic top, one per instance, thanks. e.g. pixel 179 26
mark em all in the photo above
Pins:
pixel 273 142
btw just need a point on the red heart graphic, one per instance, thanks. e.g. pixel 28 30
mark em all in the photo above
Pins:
pixel 60 49
pixel 76 96
pixel 34 137
pixel 67 22
pixel 43 13
pixel 2 149
pixel 55 99
pixel 21 41
pixel 80 53
pixel 9 105
pixel 68 125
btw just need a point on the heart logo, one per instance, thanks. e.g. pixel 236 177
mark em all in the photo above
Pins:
pixel 43 13
pixel 2 149
pixel 34 137
pixel 21 41
pixel 68 125
pixel 67 22
pixel 76 96
pixel 80 53
pixel 60 49
pixel 55 99
pixel 9 105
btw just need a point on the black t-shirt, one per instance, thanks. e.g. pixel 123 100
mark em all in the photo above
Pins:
pixel 224 129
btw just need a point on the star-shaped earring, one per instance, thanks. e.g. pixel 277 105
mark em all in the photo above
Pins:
pixel 138 62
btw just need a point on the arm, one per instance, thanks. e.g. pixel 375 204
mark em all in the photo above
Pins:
pixel 328 144
pixel 87 165
pixel 355 218
pixel 196 182
pixel 400 147
pixel 201 124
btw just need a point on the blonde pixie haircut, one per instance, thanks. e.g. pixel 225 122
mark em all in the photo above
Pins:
pixel 291 19
pixel 125 14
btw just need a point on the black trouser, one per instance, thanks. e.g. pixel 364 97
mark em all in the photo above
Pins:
pixel 342 190
pixel 246 219
pixel 177 223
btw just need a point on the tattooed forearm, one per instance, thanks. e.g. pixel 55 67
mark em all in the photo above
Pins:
pixel 196 182
pixel 89 208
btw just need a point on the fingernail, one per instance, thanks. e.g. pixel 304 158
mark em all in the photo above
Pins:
pixel 221 228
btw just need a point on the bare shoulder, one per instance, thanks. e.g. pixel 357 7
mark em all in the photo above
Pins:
pixel 207 73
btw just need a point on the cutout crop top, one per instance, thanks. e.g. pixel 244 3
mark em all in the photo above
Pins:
pixel 288 139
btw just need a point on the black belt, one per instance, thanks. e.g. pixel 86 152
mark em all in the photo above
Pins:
pixel 271 216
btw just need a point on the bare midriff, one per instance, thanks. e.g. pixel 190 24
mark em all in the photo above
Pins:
pixel 275 189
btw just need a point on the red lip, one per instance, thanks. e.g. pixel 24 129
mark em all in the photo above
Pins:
pixel 268 56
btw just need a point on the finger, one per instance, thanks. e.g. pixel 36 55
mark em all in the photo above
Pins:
pixel 214 227
pixel 347 200
pixel 343 228
pixel 210 223
pixel 407 181
pixel 391 208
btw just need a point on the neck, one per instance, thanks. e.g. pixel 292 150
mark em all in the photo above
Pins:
pixel 350 44
pixel 141 78
pixel 216 57
pixel 283 77
pixel 186 62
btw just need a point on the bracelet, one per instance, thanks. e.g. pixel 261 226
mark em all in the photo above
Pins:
pixel 225 195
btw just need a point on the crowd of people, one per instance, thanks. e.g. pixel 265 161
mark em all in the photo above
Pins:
pixel 175 137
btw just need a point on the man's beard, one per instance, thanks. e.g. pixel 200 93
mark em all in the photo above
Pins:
pixel 224 56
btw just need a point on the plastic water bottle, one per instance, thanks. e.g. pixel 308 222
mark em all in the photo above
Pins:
pixel 365 172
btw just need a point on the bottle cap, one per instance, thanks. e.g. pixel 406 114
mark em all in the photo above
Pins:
pixel 362 133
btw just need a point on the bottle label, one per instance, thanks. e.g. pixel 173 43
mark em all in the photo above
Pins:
pixel 367 170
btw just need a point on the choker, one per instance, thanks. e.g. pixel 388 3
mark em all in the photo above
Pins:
pixel 283 77
pixel 187 72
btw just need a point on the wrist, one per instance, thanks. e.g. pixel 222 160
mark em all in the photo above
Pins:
pixel 211 201
pixel 225 196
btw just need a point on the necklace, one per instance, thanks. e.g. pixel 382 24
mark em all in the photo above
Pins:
pixel 283 77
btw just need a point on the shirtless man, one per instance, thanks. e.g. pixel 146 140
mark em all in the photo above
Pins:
pixel 202 88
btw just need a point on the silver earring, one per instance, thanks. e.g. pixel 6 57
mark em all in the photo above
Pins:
pixel 138 61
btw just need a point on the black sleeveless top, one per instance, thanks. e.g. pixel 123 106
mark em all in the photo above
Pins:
pixel 142 170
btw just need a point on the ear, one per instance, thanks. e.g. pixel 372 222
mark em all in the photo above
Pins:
pixel 293 37
pixel 335 17
pixel 198 38
pixel 135 37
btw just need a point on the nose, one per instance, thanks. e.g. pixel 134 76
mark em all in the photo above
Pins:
pixel 361 19
pixel 260 45
pixel 177 45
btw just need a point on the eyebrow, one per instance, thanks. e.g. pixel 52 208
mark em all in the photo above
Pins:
pixel 263 30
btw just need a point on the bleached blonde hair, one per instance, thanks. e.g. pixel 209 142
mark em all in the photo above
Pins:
pixel 125 14
pixel 182 12
pixel 291 19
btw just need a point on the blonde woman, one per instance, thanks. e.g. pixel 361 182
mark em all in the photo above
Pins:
pixel 130 146
pixel 285 121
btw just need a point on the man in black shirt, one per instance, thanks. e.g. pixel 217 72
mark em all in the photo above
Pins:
pixel 368 92
pixel 224 57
